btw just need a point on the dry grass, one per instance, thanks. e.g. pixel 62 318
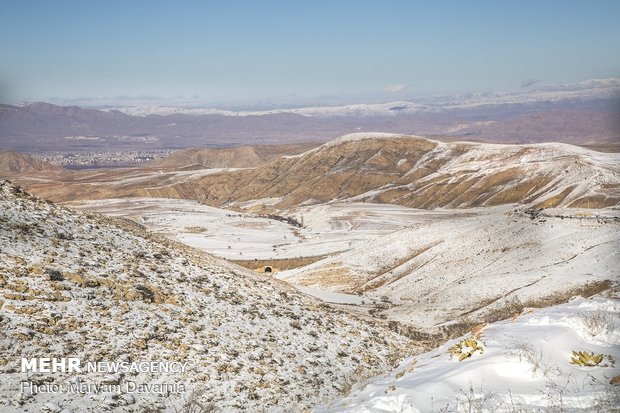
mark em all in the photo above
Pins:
pixel 525 352
pixel 474 400
pixel 555 200
pixel 512 307
pixel 282 264
pixel 562 296
pixel 195 230
pixel 331 274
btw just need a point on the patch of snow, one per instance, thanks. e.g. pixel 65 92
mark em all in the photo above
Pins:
pixel 360 136
pixel 332 297
pixel 525 365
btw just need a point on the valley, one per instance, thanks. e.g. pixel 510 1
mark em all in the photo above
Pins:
pixel 428 268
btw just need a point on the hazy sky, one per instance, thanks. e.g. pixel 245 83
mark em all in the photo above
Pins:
pixel 256 51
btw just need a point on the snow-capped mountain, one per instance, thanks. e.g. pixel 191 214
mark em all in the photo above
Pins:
pixel 582 91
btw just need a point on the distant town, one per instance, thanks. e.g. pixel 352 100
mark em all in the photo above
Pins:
pixel 103 159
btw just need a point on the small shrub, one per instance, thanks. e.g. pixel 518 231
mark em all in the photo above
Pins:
pixel 525 351
pixel 466 348
pixel 456 329
pixel 54 274
pixel 589 359
pixel 510 308
pixel 64 236
pixel 474 401
pixel 147 294
pixel 195 403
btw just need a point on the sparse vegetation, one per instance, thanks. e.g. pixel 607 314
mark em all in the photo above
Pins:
pixel 598 322
pixel 289 220
pixel 525 352
pixel 195 404
pixel 474 401
pixel 562 296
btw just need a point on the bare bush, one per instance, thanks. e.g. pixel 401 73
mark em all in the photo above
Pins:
pixel 474 401
pixel 524 351
pixel 358 379
pixel 510 406
pixel 592 395
pixel 598 322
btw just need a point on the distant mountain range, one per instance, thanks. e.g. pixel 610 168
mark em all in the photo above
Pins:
pixel 581 113
pixel 576 93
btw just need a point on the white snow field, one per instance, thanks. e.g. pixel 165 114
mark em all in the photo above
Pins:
pixel 224 233
pixel 327 228
pixel 524 367
pixel 450 264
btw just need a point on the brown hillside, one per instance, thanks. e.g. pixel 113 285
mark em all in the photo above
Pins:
pixel 13 162
pixel 404 170
pixel 420 173
pixel 234 157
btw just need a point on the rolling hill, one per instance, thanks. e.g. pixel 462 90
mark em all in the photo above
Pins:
pixel 13 162
pixel 385 168
pixel 455 266
pixel 419 173
pixel 233 157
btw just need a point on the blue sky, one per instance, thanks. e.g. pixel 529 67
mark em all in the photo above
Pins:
pixel 253 52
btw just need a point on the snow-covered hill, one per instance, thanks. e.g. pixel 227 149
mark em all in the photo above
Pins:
pixel 444 266
pixel 85 286
pixel 522 365
pixel 434 267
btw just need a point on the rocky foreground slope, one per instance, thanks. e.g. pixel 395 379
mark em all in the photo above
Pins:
pixel 76 285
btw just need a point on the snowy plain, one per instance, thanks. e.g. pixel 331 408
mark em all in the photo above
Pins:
pixel 327 228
